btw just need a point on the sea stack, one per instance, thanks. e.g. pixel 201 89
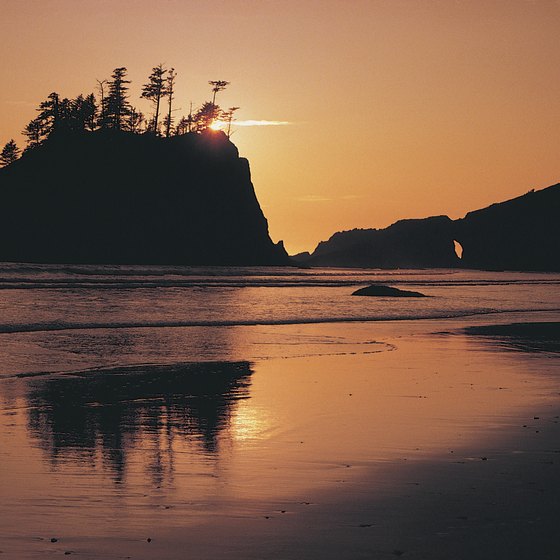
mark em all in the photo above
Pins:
pixel 116 197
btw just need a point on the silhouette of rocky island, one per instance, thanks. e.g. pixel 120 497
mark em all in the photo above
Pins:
pixel 518 234
pixel 111 196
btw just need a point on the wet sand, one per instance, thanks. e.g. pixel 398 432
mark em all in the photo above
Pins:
pixel 434 439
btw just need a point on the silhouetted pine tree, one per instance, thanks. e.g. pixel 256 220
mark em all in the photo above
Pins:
pixel 183 126
pixel 50 113
pixel 205 116
pixel 65 115
pixel 115 112
pixel 168 125
pixel 217 85
pixel 101 87
pixel 34 133
pixel 154 90
pixel 116 107
pixel 135 121
pixel 228 118
pixel 169 87
pixel 190 119
pixel 84 112
pixel 9 153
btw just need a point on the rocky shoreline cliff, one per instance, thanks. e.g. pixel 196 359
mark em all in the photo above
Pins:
pixel 114 197
pixel 518 234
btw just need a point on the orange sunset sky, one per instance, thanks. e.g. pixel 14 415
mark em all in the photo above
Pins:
pixel 394 108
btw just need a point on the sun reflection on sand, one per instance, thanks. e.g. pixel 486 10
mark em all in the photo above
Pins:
pixel 191 451
pixel 248 423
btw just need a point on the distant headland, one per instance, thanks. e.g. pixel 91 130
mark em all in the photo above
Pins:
pixel 518 234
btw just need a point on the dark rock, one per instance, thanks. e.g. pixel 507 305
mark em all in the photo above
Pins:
pixel 518 234
pixel 301 257
pixel 405 244
pixel 541 336
pixel 116 197
pixel 385 291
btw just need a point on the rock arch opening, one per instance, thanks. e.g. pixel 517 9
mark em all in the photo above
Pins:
pixel 458 249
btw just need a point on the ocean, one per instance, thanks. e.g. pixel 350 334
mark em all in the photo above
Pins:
pixel 253 413
pixel 77 317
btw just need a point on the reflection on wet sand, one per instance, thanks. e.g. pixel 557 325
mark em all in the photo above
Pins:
pixel 104 413
pixel 444 440
pixel 527 337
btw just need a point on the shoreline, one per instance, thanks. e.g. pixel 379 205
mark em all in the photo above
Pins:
pixel 445 447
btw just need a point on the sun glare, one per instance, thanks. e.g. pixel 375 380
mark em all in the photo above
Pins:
pixel 217 125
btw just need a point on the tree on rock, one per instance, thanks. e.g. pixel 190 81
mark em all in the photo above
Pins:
pixel 155 90
pixel 184 125
pixel 228 119
pixel 101 87
pixel 217 85
pixel 169 90
pixel 135 121
pixel 50 113
pixel 205 116
pixel 84 112
pixel 116 107
pixel 9 153
pixel 34 133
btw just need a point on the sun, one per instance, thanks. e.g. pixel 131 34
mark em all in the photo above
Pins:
pixel 217 125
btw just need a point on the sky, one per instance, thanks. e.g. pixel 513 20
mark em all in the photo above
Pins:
pixel 391 109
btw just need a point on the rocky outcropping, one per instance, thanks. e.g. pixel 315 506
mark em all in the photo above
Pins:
pixel 375 290
pixel 114 197
pixel 519 234
pixel 406 244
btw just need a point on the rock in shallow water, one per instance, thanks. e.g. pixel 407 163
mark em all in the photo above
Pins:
pixel 385 291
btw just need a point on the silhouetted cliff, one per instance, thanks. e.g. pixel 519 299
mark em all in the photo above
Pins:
pixel 405 244
pixel 519 234
pixel 114 197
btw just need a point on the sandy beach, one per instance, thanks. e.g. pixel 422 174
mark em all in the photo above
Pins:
pixel 280 280
pixel 413 439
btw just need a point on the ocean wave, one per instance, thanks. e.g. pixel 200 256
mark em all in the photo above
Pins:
pixel 72 326
pixel 221 282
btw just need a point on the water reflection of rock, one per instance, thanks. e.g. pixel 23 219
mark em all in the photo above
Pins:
pixel 526 337
pixel 107 413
